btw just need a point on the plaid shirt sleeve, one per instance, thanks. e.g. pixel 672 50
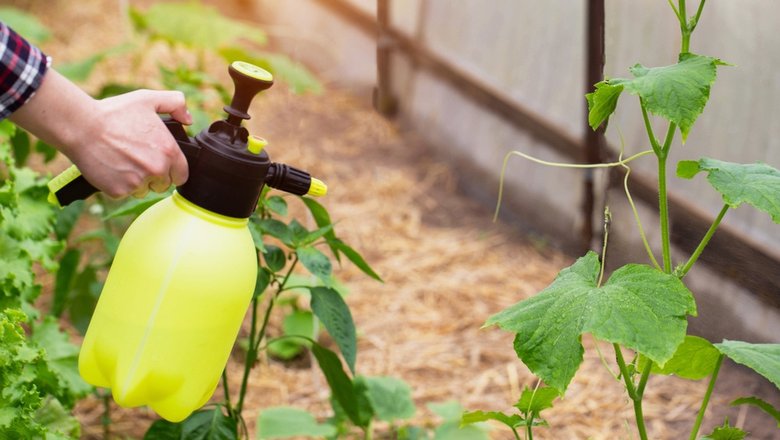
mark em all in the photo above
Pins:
pixel 22 67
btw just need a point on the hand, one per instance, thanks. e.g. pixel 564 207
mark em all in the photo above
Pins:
pixel 120 144
pixel 129 150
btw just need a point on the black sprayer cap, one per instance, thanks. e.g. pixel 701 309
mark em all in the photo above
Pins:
pixel 226 177
pixel 227 168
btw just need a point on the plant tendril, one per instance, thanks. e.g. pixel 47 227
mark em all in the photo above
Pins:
pixel 557 165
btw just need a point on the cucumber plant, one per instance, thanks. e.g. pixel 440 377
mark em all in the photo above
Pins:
pixel 642 309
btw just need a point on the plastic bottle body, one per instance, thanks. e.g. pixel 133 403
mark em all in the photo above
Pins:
pixel 171 308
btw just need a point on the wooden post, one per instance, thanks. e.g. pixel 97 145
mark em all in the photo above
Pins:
pixel 384 101
pixel 594 140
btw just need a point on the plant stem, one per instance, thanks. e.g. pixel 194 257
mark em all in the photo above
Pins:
pixel 698 14
pixel 514 431
pixel 529 431
pixel 649 129
pixel 624 371
pixel 663 209
pixel 704 242
pixel 368 432
pixel 251 355
pixel 706 400
pixel 256 338
pixel 105 420
pixel 686 33
pixel 634 393
pixel 228 405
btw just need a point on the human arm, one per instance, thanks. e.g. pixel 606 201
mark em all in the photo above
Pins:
pixel 120 144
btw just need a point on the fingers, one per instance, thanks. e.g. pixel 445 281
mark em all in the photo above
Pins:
pixel 171 102
pixel 179 171
pixel 140 193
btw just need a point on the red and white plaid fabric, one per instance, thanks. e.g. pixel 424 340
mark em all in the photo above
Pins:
pixel 22 67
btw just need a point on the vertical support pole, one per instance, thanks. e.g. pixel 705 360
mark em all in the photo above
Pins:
pixel 594 140
pixel 384 101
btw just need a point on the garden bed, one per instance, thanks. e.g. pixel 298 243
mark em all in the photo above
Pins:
pixel 446 267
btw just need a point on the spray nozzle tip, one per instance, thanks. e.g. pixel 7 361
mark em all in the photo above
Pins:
pixel 317 188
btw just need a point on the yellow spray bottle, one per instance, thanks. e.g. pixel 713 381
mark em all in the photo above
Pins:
pixel 185 270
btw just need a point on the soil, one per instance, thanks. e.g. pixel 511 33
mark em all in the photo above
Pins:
pixel 446 268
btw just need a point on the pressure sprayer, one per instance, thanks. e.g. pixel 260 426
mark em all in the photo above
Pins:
pixel 185 270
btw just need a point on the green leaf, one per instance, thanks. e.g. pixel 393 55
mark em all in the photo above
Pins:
pixel 64 281
pixel 285 422
pixel 756 184
pixel 209 424
pixel 725 432
pixel 277 229
pixel 61 358
pixel 66 219
pixel 315 262
pixel 340 384
pixel 196 26
pixel 34 219
pixel 296 75
pixel 57 420
pixel 297 323
pixel 677 93
pixel 83 298
pixel 762 358
pixel 297 232
pixel 322 218
pixel 263 280
pixel 313 236
pixel 274 258
pixel 163 430
pixel 450 429
pixel 639 307
pixel 20 142
pixel 511 421
pixel 48 152
pixel 334 313
pixel 135 207
pixel 450 410
pixel 79 71
pixel 390 398
pixel 696 358
pixel 25 24
pixel 602 103
pixel 276 204
pixel 763 405
pixel 535 401
pixel 355 258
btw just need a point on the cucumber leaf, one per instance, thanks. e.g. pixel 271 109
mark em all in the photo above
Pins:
pixel 756 184
pixel 639 307
pixel 764 359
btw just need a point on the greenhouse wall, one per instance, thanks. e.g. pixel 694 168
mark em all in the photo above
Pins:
pixel 533 54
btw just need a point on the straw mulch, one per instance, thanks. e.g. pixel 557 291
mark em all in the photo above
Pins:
pixel 446 268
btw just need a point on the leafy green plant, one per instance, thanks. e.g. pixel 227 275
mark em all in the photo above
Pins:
pixel 530 405
pixel 642 309
pixel 39 382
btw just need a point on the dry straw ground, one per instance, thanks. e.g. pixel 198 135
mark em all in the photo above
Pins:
pixel 446 267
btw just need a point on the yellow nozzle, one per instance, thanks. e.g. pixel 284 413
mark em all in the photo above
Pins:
pixel 255 144
pixel 317 188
